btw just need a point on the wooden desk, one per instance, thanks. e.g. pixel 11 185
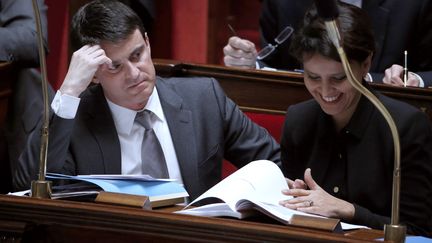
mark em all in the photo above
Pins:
pixel 4 64
pixel 65 221
pixel 273 92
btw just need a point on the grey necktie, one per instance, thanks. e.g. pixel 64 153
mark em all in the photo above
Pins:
pixel 153 160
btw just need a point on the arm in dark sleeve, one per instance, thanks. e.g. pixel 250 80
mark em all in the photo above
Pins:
pixel 268 23
pixel 416 174
pixel 426 76
pixel 268 30
pixel 27 169
pixel 420 49
pixel 18 42
pixel 275 16
pixel 245 141
pixel 292 166
pixel 417 41
pixel 416 186
pixel 287 148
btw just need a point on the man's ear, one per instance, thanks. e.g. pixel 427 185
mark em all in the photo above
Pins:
pixel 146 39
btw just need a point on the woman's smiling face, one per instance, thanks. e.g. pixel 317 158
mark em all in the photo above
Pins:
pixel 326 81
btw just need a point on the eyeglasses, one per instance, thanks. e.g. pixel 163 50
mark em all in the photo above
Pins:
pixel 270 48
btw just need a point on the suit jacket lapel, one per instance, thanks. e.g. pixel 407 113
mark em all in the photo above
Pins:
pixel 102 126
pixel 182 133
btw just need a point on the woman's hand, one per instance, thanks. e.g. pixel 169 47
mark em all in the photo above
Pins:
pixel 316 200
pixel 296 184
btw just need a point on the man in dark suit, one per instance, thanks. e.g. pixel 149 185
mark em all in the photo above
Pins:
pixel 398 25
pixel 19 49
pixel 196 124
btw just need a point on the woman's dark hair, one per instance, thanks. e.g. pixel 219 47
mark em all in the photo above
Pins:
pixel 103 20
pixel 355 29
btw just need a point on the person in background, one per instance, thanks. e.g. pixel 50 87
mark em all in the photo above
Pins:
pixel 97 129
pixel 398 25
pixel 20 57
pixel 146 10
pixel 337 148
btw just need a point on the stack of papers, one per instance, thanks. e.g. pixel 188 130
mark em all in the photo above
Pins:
pixel 161 192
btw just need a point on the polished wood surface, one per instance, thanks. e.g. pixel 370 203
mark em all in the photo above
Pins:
pixel 273 92
pixel 45 220
pixel 4 64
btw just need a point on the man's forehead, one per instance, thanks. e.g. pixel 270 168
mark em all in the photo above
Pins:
pixel 124 48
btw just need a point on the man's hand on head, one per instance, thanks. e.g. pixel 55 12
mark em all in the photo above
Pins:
pixel 83 66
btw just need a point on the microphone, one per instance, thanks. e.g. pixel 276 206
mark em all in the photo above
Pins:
pixel 328 11
pixel 42 188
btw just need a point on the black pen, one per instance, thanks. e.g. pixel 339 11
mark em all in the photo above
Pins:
pixel 405 69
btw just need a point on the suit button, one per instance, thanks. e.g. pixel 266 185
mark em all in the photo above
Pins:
pixel 335 189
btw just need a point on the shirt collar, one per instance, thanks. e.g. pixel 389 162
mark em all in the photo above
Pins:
pixel 154 105
pixel 124 118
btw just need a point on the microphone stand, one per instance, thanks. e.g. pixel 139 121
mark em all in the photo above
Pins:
pixel 393 231
pixel 41 188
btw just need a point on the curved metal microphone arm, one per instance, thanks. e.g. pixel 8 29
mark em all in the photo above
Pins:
pixel 394 231
pixel 42 188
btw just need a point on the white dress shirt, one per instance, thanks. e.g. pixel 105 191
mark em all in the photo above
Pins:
pixel 129 132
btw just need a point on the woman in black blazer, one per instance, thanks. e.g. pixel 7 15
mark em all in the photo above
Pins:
pixel 340 145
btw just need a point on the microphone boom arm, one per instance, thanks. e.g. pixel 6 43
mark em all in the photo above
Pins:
pixel 394 231
pixel 42 188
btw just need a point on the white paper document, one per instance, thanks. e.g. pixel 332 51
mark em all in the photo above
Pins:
pixel 255 187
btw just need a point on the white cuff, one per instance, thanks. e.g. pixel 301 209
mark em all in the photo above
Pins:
pixel 65 106
pixel 368 77
pixel 257 66
pixel 421 82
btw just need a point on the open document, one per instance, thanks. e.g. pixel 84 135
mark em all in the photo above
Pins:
pixel 254 188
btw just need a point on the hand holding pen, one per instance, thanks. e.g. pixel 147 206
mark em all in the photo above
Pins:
pixel 239 52
pixel 400 76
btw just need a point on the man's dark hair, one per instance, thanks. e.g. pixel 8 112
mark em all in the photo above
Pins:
pixel 103 20
pixel 355 29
